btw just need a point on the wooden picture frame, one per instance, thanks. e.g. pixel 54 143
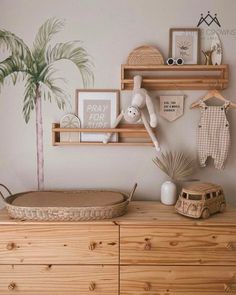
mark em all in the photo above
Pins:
pixel 185 43
pixel 97 108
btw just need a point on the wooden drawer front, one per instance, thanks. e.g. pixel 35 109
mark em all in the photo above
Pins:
pixel 178 246
pixel 72 244
pixel 169 280
pixel 58 279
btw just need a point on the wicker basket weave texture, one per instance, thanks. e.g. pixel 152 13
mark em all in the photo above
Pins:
pixel 66 213
pixel 145 55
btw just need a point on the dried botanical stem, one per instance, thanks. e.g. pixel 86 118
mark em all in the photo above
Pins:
pixel 176 165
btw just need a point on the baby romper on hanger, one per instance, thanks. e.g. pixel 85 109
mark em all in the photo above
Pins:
pixel 213 138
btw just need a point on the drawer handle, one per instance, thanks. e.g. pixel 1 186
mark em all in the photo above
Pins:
pixel 148 286
pixel 148 245
pixel 11 286
pixel 10 246
pixel 92 246
pixel 227 288
pixel 92 286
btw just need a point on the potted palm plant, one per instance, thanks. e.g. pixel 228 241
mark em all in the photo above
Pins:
pixel 177 166
pixel 36 67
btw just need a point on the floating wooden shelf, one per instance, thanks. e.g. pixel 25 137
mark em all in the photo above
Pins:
pixel 164 77
pixel 128 135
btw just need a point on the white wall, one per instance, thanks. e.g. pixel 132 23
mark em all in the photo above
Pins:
pixel 110 29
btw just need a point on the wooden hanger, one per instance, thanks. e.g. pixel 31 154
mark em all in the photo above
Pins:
pixel 212 94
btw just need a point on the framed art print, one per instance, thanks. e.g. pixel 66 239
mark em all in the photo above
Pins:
pixel 185 43
pixel 97 109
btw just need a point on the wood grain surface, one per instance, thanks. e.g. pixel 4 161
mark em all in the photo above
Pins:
pixel 176 280
pixel 37 244
pixel 178 245
pixel 161 253
pixel 185 77
pixel 58 279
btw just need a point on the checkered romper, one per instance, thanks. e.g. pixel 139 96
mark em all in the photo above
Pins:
pixel 213 138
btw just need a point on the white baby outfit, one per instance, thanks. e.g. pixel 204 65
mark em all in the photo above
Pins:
pixel 213 138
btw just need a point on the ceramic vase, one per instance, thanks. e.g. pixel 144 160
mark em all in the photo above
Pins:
pixel 168 193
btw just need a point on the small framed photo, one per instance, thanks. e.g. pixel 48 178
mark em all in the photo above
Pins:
pixel 97 108
pixel 185 43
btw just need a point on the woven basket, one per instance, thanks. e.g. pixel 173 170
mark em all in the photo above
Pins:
pixel 65 213
pixel 145 55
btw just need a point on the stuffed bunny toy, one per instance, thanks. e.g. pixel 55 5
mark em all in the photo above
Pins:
pixel 134 113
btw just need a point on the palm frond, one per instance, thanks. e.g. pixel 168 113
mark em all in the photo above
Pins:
pixel 176 165
pixel 14 68
pixel 74 52
pixel 29 97
pixel 37 67
pixel 43 37
pixel 16 46
pixel 50 89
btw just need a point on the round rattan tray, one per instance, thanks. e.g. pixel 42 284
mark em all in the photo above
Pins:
pixel 66 211
pixel 145 55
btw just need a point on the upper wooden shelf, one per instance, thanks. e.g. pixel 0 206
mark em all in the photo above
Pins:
pixel 164 77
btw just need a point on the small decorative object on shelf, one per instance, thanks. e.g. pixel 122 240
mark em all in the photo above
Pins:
pixel 145 55
pixel 70 121
pixel 171 61
pixel 208 56
pixel 185 43
pixel 135 113
pixel 200 200
pixel 216 46
pixel 177 166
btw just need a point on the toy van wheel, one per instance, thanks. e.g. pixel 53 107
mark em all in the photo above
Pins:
pixel 205 213
pixel 222 207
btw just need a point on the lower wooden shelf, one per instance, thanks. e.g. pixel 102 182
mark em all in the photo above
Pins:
pixel 128 135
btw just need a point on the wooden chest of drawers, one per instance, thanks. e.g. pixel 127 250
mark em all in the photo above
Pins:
pixel 151 250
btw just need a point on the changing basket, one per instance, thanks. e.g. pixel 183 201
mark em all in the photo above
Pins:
pixel 80 205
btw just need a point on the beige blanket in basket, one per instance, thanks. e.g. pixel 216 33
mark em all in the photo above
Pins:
pixel 68 199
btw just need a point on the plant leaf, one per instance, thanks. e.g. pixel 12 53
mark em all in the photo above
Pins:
pixel 176 165
pixel 74 52
pixel 12 67
pixel 43 37
pixel 49 88
pixel 16 46
pixel 29 97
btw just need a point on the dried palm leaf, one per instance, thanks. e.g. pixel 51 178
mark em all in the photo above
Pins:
pixel 176 165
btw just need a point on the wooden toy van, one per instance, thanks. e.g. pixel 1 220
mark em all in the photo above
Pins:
pixel 200 200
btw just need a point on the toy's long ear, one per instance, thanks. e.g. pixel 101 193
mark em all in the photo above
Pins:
pixel 137 82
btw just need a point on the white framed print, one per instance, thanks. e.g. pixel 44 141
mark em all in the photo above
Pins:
pixel 97 108
pixel 185 43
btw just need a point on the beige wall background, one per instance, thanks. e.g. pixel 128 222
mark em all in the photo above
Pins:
pixel 110 29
